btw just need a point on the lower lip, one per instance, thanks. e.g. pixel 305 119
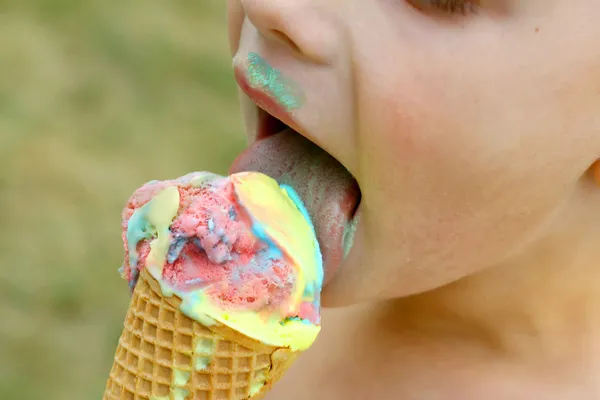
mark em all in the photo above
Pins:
pixel 263 100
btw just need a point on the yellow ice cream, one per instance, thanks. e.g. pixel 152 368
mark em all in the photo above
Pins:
pixel 278 218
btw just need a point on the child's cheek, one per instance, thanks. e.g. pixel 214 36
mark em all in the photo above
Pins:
pixel 398 131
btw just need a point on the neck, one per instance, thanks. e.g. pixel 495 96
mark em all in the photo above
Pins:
pixel 543 304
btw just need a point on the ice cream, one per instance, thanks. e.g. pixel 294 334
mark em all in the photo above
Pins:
pixel 238 251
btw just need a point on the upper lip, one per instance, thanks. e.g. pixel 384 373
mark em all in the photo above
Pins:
pixel 265 102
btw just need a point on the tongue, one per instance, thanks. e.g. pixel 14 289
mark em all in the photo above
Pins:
pixel 328 190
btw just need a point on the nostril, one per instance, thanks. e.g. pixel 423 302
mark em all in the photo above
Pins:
pixel 282 37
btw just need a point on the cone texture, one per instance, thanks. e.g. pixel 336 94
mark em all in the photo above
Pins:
pixel 164 355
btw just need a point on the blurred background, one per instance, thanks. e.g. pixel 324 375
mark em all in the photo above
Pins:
pixel 96 98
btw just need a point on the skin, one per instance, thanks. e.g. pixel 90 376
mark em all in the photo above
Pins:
pixel 475 140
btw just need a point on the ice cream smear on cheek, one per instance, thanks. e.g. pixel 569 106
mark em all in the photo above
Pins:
pixel 238 250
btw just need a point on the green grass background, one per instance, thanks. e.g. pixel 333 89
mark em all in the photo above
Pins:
pixel 96 98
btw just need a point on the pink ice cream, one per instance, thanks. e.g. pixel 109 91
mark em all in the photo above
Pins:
pixel 219 249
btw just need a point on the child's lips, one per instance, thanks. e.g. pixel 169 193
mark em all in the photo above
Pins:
pixel 328 190
pixel 283 150
pixel 264 101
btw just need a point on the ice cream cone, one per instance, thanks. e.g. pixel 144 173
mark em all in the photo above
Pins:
pixel 165 355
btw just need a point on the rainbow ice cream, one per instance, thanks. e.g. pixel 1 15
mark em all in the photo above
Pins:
pixel 240 251
pixel 226 276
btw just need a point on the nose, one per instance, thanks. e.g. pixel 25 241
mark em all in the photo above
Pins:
pixel 295 24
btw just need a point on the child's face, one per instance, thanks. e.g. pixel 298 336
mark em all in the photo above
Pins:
pixel 466 133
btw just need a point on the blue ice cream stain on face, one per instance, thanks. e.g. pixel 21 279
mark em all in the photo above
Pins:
pixel 285 92
pixel 211 225
pixel 348 235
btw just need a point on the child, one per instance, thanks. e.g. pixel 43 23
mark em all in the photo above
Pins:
pixel 472 129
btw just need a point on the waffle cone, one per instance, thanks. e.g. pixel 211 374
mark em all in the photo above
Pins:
pixel 164 355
